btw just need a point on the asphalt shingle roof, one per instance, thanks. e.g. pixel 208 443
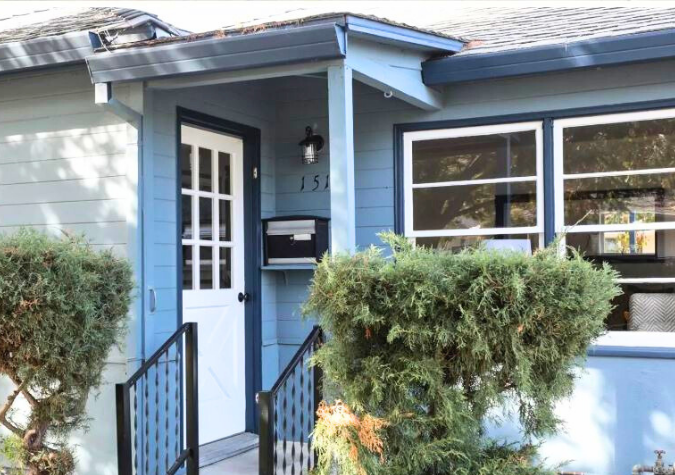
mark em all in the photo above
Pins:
pixel 492 29
pixel 484 29
pixel 60 21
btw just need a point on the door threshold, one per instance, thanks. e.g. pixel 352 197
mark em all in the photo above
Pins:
pixel 223 449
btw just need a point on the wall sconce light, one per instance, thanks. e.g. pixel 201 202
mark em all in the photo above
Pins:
pixel 311 146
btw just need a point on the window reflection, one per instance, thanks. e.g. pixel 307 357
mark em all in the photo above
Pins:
pixel 636 145
pixel 499 205
pixel 523 242
pixel 475 157
pixel 634 254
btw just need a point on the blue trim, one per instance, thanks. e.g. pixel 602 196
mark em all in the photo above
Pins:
pixel 549 182
pixel 632 352
pixel 253 246
pixel 591 53
pixel 550 115
pixel 272 48
pixel 402 36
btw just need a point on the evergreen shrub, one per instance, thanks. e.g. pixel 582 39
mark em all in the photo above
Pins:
pixel 63 306
pixel 424 346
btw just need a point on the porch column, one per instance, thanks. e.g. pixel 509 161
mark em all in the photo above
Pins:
pixel 341 137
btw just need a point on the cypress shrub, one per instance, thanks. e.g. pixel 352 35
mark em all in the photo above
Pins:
pixel 62 308
pixel 425 345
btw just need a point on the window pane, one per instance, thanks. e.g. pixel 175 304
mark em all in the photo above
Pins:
pixel 479 157
pixel 187 268
pixel 205 170
pixel 186 213
pixel 523 242
pixel 224 173
pixel 205 268
pixel 614 147
pixel 634 254
pixel 225 268
pixel 205 219
pixel 616 200
pixel 186 165
pixel 644 307
pixel 475 206
pixel 224 217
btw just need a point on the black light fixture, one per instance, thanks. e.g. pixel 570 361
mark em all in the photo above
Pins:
pixel 311 146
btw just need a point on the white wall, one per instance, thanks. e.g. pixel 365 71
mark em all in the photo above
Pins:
pixel 66 165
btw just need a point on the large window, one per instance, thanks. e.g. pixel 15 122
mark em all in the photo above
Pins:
pixel 613 188
pixel 478 184
pixel 615 202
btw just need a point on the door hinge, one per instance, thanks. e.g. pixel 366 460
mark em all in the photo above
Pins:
pixel 255 173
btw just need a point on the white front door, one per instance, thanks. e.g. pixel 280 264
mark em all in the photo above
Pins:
pixel 213 274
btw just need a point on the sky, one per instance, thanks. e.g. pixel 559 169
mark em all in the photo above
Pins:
pixel 198 15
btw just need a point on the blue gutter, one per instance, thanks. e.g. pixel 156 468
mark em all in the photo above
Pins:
pixel 554 58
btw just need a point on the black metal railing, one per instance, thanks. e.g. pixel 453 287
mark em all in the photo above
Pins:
pixel 288 414
pixel 158 411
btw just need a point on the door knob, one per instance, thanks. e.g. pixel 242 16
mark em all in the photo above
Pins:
pixel 243 297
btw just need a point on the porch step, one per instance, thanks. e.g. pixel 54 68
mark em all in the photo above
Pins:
pixel 228 447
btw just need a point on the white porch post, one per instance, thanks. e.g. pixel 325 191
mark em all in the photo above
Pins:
pixel 341 137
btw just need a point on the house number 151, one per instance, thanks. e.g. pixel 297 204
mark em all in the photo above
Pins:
pixel 314 183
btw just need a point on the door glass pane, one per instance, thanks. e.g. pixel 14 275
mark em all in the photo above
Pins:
pixel 225 268
pixel 224 173
pixel 524 242
pixel 615 147
pixel 620 200
pixel 205 170
pixel 205 267
pixel 186 213
pixel 224 217
pixel 478 157
pixel 187 268
pixel 206 219
pixel 498 205
pixel 186 166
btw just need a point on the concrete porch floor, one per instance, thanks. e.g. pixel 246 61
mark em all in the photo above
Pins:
pixel 242 464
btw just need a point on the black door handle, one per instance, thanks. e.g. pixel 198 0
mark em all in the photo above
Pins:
pixel 243 297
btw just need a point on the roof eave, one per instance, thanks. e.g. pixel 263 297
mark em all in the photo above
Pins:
pixel 49 51
pixel 272 48
pixel 401 36
pixel 592 53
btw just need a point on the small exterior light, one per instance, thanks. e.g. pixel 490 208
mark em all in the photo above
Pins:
pixel 311 146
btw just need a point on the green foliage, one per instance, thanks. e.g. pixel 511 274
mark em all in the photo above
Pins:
pixel 62 307
pixel 433 342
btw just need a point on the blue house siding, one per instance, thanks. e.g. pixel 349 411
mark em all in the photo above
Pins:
pixel 616 417
pixel 599 437
pixel 238 103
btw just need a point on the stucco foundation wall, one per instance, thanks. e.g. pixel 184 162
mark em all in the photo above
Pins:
pixel 65 165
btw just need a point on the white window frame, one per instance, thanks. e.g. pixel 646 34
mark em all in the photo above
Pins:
pixel 410 137
pixel 560 177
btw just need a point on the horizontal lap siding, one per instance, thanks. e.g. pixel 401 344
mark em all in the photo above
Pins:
pixel 304 101
pixel 244 104
pixel 65 165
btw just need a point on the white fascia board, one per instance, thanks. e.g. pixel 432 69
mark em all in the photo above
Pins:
pixel 392 69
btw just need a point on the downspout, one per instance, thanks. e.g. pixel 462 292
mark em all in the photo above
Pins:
pixel 104 99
